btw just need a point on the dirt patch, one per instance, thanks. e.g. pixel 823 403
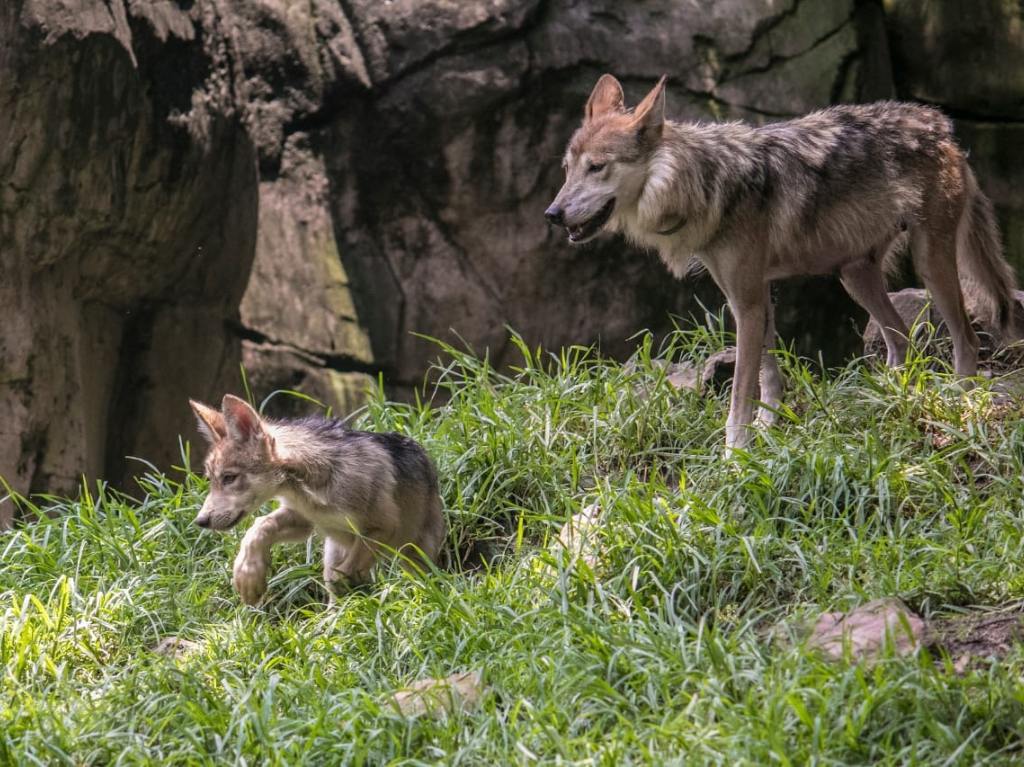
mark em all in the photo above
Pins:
pixel 976 637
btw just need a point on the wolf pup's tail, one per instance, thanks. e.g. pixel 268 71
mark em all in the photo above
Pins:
pixel 988 280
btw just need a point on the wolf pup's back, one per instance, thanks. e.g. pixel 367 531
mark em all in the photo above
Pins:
pixel 415 489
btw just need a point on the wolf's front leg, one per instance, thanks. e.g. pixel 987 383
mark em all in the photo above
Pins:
pixel 253 559
pixel 771 376
pixel 751 319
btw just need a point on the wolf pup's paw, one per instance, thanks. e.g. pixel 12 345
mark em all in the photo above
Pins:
pixel 250 578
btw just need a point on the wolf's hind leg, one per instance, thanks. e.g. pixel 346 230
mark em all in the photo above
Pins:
pixel 334 556
pixel 253 559
pixel 771 376
pixel 865 283
pixel 935 262
pixel 434 529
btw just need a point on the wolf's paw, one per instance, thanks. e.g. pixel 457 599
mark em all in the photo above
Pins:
pixel 338 585
pixel 250 578
pixel 766 417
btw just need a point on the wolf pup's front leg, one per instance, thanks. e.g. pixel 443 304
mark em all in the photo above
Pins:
pixel 249 575
pixel 253 558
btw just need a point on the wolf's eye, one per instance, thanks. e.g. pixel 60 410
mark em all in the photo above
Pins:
pixel 227 479
pixel 596 167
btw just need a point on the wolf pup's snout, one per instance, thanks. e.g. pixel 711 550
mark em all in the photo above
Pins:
pixel 203 520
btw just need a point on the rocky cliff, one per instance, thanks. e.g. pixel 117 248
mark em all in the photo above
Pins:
pixel 297 187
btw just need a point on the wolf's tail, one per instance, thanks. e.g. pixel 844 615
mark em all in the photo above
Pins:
pixel 988 280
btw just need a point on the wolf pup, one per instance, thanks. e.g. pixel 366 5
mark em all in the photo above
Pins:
pixel 366 494
pixel 837 191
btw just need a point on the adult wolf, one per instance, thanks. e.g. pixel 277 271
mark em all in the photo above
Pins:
pixel 367 494
pixel 836 191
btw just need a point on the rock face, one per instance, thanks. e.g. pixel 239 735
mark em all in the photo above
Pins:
pixel 187 185
pixel 124 241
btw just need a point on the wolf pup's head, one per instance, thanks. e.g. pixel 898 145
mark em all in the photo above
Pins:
pixel 240 465
pixel 605 164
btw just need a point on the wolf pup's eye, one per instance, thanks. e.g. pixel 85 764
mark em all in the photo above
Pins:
pixel 227 479
pixel 596 167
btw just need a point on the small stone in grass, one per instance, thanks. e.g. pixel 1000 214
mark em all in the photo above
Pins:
pixel 439 697
pixel 867 629
pixel 712 373
pixel 174 647
pixel 682 375
pixel 578 535
pixel 718 368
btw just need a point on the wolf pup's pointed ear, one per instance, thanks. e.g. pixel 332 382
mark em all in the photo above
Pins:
pixel 606 97
pixel 210 421
pixel 243 422
pixel 649 115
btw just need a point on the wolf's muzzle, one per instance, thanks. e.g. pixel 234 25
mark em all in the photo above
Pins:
pixel 586 230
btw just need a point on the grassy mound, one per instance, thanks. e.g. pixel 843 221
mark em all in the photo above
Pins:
pixel 874 483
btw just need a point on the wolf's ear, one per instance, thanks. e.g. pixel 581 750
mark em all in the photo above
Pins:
pixel 606 97
pixel 649 115
pixel 211 422
pixel 243 423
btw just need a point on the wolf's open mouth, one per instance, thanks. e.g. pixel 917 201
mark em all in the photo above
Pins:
pixel 588 228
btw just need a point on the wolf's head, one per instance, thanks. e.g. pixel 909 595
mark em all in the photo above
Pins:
pixel 241 466
pixel 606 162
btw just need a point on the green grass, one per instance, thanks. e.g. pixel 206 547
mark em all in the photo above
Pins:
pixel 875 483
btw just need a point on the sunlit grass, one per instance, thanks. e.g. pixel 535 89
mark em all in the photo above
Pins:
pixel 874 483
